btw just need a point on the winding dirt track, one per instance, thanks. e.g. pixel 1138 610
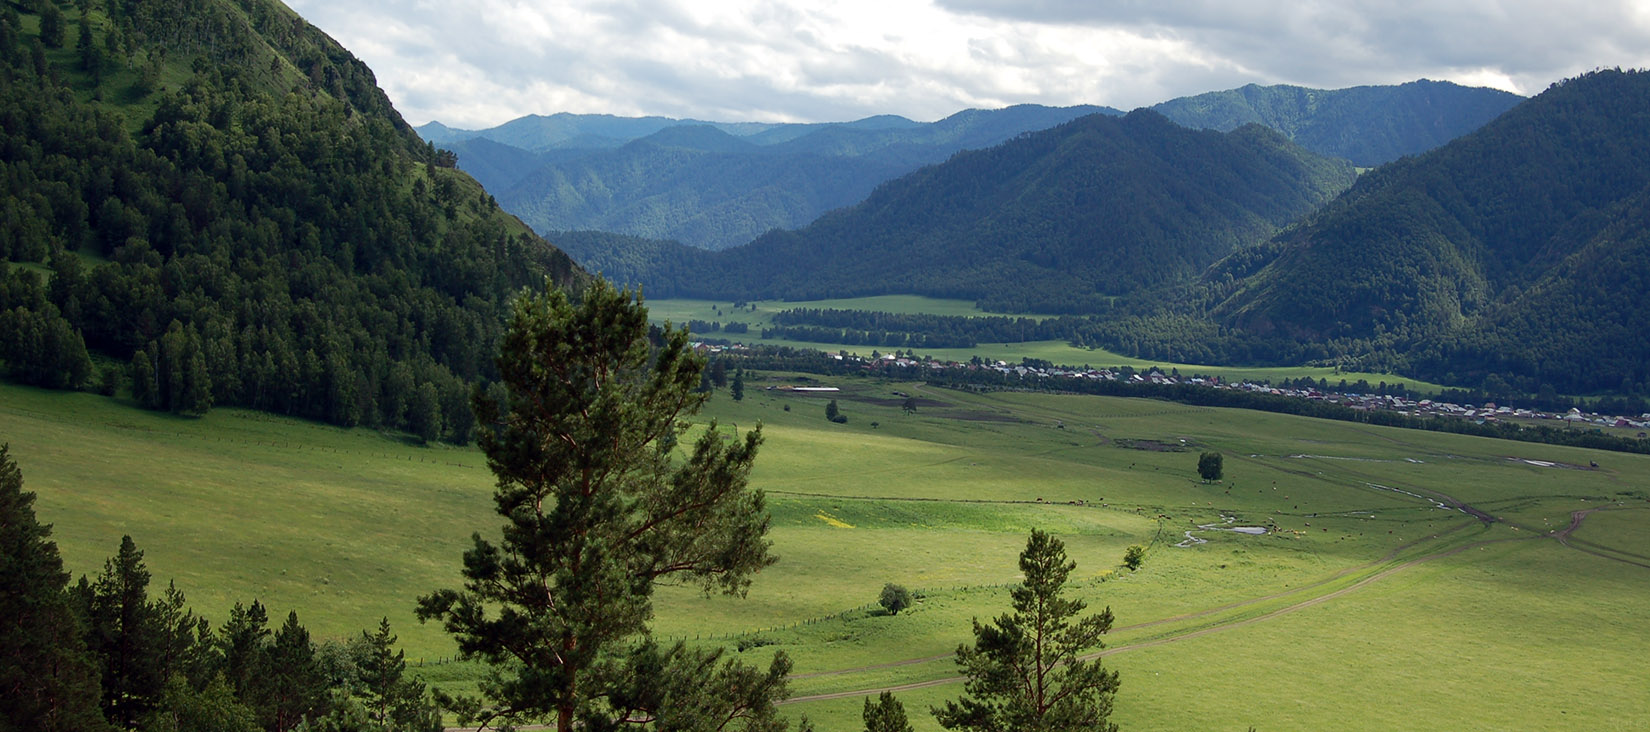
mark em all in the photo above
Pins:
pixel 1563 537
pixel 1303 604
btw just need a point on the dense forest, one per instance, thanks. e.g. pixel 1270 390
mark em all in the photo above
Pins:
pixel 211 203
pixel 1368 125
pixel 1058 221
pixel 1512 259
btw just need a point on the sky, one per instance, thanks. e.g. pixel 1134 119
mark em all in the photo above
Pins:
pixel 478 63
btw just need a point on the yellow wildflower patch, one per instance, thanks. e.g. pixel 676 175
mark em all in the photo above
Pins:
pixel 834 521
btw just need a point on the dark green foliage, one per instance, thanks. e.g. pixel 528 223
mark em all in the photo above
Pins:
pixel 296 690
pixel 51 24
pixel 886 714
pixel 1055 221
pixel 834 414
pixel 241 644
pixel 268 232
pixel 391 700
pixel 737 388
pixel 691 690
pixel 1023 669
pixel 1211 466
pixel 597 514
pixel 905 330
pixel 214 708
pixel 1369 125
pixel 894 598
pixel 125 637
pixel 1134 556
pixel 48 681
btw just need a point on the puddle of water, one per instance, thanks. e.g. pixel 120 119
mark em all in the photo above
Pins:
pixel 1224 525
pixel 1435 502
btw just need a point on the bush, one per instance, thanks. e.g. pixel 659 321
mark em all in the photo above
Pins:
pixel 894 598
pixel 1134 556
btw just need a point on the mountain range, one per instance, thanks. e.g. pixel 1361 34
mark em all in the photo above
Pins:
pixel 1061 220
pixel 1518 251
pixel 722 184
pixel 713 185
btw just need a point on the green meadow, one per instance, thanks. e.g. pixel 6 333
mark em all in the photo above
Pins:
pixel 1367 605
pixel 759 314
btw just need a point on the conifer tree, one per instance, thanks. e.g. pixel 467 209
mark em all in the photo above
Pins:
pixel 596 515
pixel 123 636
pixel 886 714
pixel 48 681
pixel 1023 669
pixel 296 689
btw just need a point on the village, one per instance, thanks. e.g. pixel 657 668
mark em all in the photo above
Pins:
pixel 1487 412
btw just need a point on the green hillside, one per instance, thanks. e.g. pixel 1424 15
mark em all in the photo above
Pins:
pixel 1511 252
pixel 210 202
pixel 1369 125
pixel 1056 221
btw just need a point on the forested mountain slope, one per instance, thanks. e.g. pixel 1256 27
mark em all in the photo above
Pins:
pixel 1060 220
pixel 713 185
pixel 214 201
pixel 1369 125
pixel 1518 251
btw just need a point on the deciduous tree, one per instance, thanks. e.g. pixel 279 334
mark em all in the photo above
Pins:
pixel 894 598
pixel 1210 466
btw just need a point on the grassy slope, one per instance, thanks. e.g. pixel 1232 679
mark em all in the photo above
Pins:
pixel 680 311
pixel 345 526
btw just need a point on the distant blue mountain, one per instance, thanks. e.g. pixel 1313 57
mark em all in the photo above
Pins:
pixel 712 185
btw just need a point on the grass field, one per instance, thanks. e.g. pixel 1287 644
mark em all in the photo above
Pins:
pixel 1369 607
pixel 759 314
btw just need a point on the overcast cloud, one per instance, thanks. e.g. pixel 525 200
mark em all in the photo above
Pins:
pixel 484 62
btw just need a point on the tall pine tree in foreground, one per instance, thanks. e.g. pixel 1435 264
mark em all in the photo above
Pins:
pixel 1024 672
pixel 48 681
pixel 597 511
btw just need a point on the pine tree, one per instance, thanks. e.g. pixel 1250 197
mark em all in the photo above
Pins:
pixel 597 515
pixel 393 702
pixel 122 636
pixel 241 644
pixel 296 689
pixel 887 714
pixel 48 681
pixel 1023 670
pixel 737 390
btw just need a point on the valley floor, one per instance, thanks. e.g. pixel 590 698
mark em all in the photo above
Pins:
pixel 1379 598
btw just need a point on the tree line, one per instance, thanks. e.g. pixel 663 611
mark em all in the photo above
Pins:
pixel 108 653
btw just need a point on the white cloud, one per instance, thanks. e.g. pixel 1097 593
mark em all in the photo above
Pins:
pixel 484 62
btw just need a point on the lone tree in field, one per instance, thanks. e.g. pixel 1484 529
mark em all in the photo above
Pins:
pixel 894 598
pixel 596 513
pixel 1134 556
pixel 1023 669
pixel 1211 466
